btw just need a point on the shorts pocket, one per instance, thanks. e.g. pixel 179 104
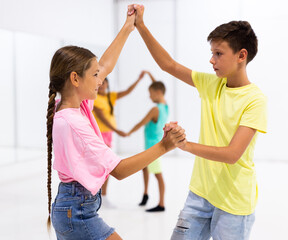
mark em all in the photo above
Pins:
pixel 182 226
pixel 61 219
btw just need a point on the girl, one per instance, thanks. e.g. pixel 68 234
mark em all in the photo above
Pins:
pixel 82 159
pixel 103 112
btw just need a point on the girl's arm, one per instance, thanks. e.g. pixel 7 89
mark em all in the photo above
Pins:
pixel 160 55
pixel 102 117
pixel 108 60
pixel 152 114
pixel 230 154
pixel 130 89
pixel 151 76
pixel 128 166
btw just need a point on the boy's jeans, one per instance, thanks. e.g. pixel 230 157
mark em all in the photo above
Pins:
pixel 199 220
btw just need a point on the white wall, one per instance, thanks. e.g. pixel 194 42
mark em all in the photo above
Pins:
pixel 88 20
pixel 34 30
pixel 7 124
pixel 180 26
pixel 194 21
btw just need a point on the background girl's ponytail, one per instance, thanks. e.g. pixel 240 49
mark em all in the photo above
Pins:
pixel 109 98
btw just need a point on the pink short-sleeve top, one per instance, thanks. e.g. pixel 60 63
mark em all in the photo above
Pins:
pixel 79 151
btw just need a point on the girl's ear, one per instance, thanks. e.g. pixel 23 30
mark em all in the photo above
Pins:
pixel 74 79
pixel 243 54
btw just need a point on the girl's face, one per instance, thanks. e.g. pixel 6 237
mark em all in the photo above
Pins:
pixel 90 83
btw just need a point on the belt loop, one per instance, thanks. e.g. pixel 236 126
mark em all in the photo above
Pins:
pixel 73 189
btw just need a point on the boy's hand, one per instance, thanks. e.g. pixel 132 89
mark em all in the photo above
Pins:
pixel 168 127
pixel 175 137
pixel 121 133
pixel 139 13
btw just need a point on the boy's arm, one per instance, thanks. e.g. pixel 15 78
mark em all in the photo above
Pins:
pixel 108 60
pixel 160 55
pixel 130 89
pixel 153 113
pixel 230 154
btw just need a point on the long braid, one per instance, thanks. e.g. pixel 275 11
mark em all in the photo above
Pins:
pixel 49 117
pixel 64 61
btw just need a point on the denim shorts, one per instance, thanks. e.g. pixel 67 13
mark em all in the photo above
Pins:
pixel 200 220
pixel 74 214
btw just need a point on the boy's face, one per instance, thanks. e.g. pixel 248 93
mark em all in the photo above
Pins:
pixel 154 95
pixel 224 60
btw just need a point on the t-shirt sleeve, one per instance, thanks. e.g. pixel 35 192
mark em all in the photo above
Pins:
pixel 203 82
pixel 255 114
pixel 96 165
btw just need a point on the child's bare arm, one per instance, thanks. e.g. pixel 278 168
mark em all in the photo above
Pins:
pixel 174 138
pixel 152 114
pixel 130 89
pixel 160 55
pixel 230 154
pixel 102 117
pixel 108 60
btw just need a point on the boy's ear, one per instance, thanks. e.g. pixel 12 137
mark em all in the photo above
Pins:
pixel 243 53
pixel 74 79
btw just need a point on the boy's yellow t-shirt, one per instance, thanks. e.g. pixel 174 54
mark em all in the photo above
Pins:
pixel 102 103
pixel 231 188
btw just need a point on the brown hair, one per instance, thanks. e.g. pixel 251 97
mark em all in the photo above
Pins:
pixel 239 35
pixel 109 97
pixel 64 61
pixel 158 85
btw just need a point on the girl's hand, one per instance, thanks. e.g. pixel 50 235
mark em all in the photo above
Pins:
pixel 139 13
pixel 168 127
pixel 121 133
pixel 141 75
pixel 175 137
pixel 130 21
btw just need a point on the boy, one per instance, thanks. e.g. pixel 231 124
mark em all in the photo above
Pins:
pixel 223 187
pixel 154 122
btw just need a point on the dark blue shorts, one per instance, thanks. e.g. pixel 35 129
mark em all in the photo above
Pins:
pixel 74 214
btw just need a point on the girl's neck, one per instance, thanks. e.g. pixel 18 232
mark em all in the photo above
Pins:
pixel 68 103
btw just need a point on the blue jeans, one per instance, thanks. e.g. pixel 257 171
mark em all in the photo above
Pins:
pixel 200 220
pixel 74 214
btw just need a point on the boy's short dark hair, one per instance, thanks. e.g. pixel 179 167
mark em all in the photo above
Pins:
pixel 158 85
pixel 238 34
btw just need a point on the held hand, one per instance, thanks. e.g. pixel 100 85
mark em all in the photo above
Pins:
pixel 139 13
pixel 141 75
pixel 168 127
pixel 175 137
pixel 121 133
pixel 130 21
